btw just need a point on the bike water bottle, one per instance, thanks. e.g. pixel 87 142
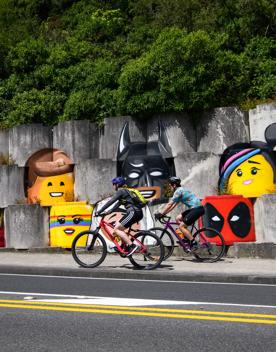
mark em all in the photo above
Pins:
pixel 179 233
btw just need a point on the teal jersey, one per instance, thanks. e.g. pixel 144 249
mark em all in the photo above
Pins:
pixel 182 195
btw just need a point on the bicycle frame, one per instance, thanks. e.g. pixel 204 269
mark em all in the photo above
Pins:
pixel 106 227
pixel 182 241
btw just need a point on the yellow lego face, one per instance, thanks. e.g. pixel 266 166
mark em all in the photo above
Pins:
pixel 67 220
pixel 252 178
pixel 52 189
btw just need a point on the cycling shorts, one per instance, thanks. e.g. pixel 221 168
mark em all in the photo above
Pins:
pixel 191 215
pixel 131 217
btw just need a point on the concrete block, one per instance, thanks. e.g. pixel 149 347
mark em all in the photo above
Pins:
pixel 180 132
pixel 93 179
pixel 221 127
pixel 11 185
pixel 78 139
pixel 28 139
pixel 111 131
pixel 4 143
pixel 259 118
pixel 198 172
pixel 264 213
pixel 26 226
pixel 253 250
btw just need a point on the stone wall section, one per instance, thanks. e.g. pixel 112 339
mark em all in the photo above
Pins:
pixel 78 139
pixel 26 226
pixel 26 140
pixel 196 153
pixel 259 118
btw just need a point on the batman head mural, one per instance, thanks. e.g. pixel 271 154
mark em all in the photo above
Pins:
pixel 145 163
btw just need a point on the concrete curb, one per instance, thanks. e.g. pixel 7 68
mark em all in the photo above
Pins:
pixel 134 274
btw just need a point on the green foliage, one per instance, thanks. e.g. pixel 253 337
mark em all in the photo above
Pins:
pixel 77 59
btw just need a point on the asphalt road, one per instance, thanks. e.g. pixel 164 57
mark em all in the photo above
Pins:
pixel 84 314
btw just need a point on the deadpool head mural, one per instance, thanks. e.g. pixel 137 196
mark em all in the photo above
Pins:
pixel 232 216
pixel 143 164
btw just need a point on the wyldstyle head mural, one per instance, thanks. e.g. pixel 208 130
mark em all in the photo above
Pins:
pixel 249 169
pixel 145 163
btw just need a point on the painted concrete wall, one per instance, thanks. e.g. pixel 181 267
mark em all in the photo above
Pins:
pixel 196 154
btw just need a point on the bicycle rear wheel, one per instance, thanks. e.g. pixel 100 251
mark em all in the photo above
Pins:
pixel 89 249
pixel 151 253
pixel 166 238
pixel 211 245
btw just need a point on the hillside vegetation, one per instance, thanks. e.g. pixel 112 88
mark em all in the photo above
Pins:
pixel 91 59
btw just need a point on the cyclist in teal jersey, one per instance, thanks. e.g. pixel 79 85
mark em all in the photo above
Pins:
pixel 188 217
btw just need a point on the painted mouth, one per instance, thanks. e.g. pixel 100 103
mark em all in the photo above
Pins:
pixel 56 194
pixel 247 182
pixel 148 193
pixel 69 232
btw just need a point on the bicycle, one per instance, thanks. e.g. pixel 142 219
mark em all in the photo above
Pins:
pixel 89 248
pixel 210 242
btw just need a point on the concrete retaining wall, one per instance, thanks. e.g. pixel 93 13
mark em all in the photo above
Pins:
pixel 259 118
pixel 111 131
pixel 265 218
pixel 220 128
pixel 28 139
pixel 11 185
pixel 78 139
pixel 93 179
pixel 179 129
pixel 4 143
pixel 199 172
pixel 26 226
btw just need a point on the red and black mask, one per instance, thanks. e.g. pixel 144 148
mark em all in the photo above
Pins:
pixel 230 215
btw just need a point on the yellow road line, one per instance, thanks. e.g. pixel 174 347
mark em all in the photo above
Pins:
pixel 135 313
pixel 162 310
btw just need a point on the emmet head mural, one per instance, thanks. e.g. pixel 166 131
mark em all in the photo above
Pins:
pixel 249 169
pixel 145 163
pixel 50 178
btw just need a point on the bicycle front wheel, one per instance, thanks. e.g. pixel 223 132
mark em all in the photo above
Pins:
pixel 89 249
pixel 151 253
pixel 166 238
pixel 211 245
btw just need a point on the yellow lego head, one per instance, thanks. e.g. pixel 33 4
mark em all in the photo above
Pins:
pixel 67 220
pixel 50 178
pixel 248 169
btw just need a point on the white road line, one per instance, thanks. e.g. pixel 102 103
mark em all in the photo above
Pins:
pixel 142 280
pixel 75 299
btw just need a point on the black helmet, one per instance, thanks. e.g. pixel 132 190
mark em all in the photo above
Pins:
pixel 174 180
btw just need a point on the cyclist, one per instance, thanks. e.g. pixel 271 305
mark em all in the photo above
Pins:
pixel 133 212
pixel 185 219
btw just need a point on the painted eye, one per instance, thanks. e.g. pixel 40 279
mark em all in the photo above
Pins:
pixel 49 184
pixel 216 218
pixel 239 173
pixel 61 183
pixel 234 218
pixel 61 220
pixel 77 220
pixel 156 173
pixel 133 175
pixel 254 171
